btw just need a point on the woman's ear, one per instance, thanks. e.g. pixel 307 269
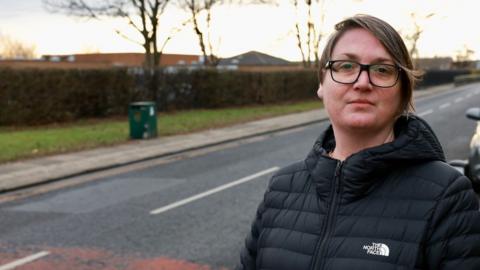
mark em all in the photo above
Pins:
pixel 320 91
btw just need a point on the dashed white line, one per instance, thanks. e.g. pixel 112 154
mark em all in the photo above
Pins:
pixel 425 113
pixel 457 100
pixel 211 191
pixel 25 260
pixel 445 105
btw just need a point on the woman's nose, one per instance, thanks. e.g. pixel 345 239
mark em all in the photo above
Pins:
pixel 363 79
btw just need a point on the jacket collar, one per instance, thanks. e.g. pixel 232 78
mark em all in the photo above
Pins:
pixel 414 143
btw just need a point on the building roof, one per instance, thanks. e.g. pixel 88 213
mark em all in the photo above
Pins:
pixel 123 59
pixel 254 58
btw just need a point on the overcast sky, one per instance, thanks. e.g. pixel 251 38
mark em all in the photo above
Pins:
pixel 236 30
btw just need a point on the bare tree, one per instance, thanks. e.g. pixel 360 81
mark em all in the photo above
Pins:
pixel 142 15
pixel 298 36
pixel 195 8
pixel 465 54
pixel 308 41
pixel 317 32
pixel 14 49
pixel 213 59
pixel 415 35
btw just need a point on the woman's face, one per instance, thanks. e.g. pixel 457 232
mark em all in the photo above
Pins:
pixel 360 106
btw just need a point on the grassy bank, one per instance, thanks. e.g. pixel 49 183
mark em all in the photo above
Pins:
pixel 21 143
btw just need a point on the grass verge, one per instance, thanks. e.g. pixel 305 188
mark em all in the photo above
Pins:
pixel 21 143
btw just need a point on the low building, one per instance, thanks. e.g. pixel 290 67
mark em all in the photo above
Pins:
pixel 100 60
pixel 256 61
pixel 435 63
pixel 250 61
pixel 470 64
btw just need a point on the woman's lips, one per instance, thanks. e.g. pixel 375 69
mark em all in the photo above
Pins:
pixel 361 101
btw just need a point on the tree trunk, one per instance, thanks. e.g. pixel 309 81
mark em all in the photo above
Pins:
pixel 212 57
pixel 198 32
pixel 298 36
pixel 309 33
pixel 299 44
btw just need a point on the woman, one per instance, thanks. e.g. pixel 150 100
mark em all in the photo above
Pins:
pixel 375 191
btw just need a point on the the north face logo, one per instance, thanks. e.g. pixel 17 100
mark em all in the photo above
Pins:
pixel 377 249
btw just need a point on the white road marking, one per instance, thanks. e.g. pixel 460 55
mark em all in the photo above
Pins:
pixel 443 106
pixel 23 261
pixel 458 99
pixel 211 191
pixel 469 95
pixel 425 113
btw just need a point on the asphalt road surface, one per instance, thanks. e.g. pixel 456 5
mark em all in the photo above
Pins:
pixel 184 212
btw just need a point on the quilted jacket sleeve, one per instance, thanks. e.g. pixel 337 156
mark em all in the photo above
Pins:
pixel 248 254
pixel 454 242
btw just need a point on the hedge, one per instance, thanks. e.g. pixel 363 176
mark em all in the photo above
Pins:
pixel 436 77
pixel 465 79
pixel 214 89
pixel 38 96
pixel 33 96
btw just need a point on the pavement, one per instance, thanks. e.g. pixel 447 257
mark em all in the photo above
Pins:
pixel 30 172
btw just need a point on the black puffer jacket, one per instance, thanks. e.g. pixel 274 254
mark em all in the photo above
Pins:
pixel 394 206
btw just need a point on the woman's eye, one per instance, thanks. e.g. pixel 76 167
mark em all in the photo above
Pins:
pixel 345 66
pixel 382 70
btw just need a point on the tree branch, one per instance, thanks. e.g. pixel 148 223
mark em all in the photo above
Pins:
pixel 127 38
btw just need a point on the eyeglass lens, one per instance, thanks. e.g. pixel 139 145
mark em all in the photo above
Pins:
pixel 348 72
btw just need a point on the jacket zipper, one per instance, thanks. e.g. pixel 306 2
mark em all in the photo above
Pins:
pixel 320 248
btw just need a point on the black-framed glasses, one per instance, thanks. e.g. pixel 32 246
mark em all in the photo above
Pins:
pixel 348 72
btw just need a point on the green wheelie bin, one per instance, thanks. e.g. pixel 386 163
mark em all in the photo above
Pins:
pixel 143 120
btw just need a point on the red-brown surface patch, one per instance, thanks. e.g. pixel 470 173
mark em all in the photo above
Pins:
pixel 93 259
pixel 168 264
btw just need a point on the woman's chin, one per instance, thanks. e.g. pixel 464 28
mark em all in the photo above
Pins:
pixel 361 122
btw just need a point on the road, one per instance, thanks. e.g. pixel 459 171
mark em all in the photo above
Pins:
pixel 184 212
